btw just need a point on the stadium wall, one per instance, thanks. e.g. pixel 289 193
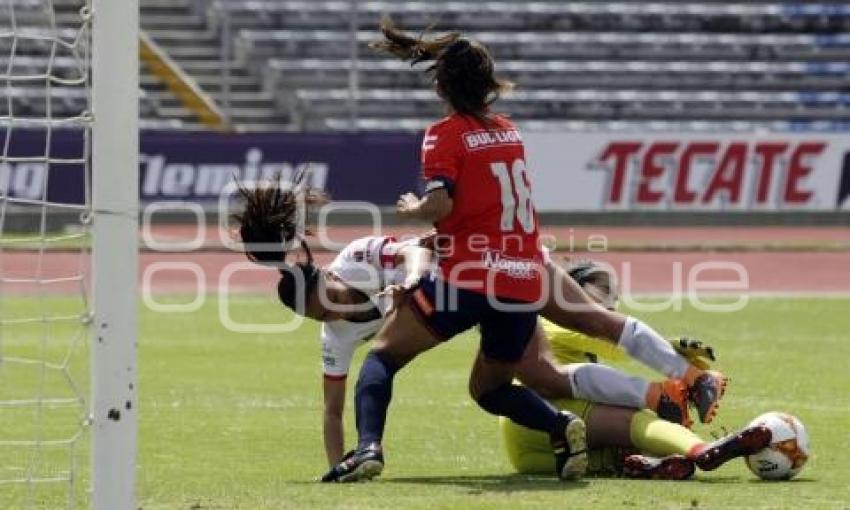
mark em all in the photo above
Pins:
pixel 580 178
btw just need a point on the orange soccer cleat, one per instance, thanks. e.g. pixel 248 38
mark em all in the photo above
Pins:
pixel 672 402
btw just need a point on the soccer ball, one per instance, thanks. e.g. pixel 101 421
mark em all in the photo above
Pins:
pixel 788 451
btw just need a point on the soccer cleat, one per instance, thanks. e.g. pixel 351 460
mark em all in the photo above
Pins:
pixel 705 394
pixel 569 443
pixel 362 464
pixel 673 403
pixel 672 467
pixel 746 442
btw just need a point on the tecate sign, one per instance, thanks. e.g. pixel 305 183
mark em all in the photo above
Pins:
pixel 575 171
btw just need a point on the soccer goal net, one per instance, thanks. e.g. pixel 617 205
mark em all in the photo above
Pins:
pixel 68 229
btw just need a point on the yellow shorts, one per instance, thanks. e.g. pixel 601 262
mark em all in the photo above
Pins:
pixel 529 451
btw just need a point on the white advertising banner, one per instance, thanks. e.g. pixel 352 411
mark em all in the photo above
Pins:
pixel 689 171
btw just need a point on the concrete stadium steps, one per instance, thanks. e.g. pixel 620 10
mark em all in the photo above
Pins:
pixel 210 83
pixel 288 53
pixel 239 100
pixel 310 107
pixel 186 37
pixel 530 45
pixel 720 17
pixel 286 74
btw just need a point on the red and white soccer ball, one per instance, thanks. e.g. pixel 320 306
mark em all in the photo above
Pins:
pixel 788 451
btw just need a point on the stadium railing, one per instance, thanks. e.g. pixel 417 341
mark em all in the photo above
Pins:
pixel 582 16
pixel 310 105
pixel 263 44
pixel 282 75
pixel 619 126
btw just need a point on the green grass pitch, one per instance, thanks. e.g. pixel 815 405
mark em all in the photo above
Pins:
pixel 232 421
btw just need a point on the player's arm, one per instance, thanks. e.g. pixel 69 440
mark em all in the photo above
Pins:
pixel 416 261
pixel 334 391
pixel 434 206
pixel 441 161
pixel 337 350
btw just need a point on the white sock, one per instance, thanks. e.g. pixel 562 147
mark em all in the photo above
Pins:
pixel 605 385
pixel 645 345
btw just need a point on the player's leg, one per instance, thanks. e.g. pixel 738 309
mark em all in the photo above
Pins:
pixel 504 338
pixel 529 451
pixel 707 457
pixel 598 383
pixel 414 326
pixel 640 429
pixel 669 451
pixel 609 429
pixel 399 341
pixel 570 307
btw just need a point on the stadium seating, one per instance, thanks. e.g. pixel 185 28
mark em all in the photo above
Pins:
pixel 575 63
pixel 777 64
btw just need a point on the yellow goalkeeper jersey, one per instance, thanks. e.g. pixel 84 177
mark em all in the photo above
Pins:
pixel 573 347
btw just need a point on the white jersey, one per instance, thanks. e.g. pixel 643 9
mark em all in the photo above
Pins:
pixel 369 265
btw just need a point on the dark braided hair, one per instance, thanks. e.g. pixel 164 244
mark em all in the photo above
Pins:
pixel 270 224
pixel 463 69
pixel 270 220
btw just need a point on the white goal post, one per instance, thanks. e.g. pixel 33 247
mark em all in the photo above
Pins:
pixel 115 199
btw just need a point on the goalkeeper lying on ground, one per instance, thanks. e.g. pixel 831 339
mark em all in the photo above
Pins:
pixel 622 440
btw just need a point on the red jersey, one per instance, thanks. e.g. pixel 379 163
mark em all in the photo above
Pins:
pixel 489 241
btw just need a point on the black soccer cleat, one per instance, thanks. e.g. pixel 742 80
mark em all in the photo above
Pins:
pixel 673 467
pixel 705 394
pixel 569 443
pixel 361 464
pixel 746 442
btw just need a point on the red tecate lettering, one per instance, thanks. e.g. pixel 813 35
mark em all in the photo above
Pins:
pixel 683 194
pixel 769 153
pixel 729 174
pixel 651 170
pixel 621 152
pixel 798 170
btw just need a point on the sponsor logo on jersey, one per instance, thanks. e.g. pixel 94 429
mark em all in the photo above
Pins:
pixel 429 142
pixel 477 140
pixel 513 267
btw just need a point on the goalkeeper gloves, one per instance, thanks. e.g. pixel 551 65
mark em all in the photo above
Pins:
pixel 697 353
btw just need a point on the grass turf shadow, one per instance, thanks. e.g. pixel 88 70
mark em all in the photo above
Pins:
pixel 493 483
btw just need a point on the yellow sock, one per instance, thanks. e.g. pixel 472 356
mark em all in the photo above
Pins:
pixel 659 438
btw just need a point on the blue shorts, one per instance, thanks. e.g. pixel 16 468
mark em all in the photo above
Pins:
pixel 504 334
